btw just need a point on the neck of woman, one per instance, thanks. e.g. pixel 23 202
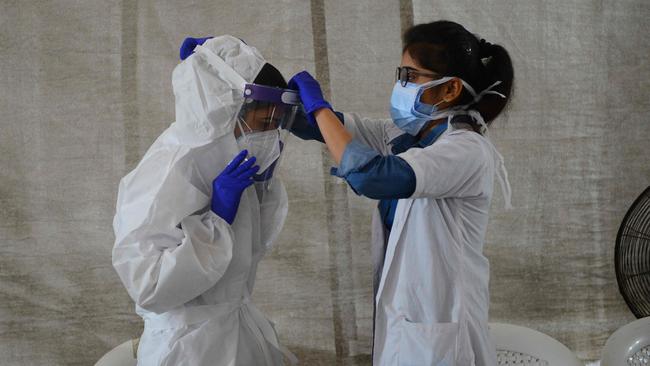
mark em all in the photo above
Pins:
pixel 430 126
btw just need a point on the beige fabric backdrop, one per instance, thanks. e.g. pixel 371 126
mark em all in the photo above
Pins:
pixel 85 89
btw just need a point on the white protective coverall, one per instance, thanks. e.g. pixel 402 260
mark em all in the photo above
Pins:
pixel 431 283
pixel 189 272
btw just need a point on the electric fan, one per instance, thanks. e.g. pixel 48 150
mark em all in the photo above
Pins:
pixel 632 256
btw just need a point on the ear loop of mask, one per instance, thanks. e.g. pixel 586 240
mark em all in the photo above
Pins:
pixel 424 87
pixel 281 138
pixel 477 97
pixel 267 184
pixel 242 133
pixel 270 121
pixel 502 172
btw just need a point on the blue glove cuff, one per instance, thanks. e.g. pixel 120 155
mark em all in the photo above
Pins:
pixel 314 109
pixel 319 105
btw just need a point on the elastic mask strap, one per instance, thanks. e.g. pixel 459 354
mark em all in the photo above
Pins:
pixel 483 129
pixel 461 108
pixel 432 83
pixel 228 73
pixel 250 130
pixel 479 96
pixel 267 183
pixel 489 90
pixel 243 134
pixel 502 172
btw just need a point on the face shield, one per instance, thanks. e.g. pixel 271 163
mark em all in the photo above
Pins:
pixel 263 124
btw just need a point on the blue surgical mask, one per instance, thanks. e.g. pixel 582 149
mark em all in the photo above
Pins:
pixel 408 113
pixel 425 108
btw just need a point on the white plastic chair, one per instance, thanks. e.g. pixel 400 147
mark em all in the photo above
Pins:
pixel 122 355
pixel 629 345
pixel 522 346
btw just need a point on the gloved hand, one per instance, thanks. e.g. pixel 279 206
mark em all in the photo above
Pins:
pixel 228 186
pixel 189 44
pixel 310 92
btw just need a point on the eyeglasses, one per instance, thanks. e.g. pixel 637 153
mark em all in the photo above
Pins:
pixel 406 74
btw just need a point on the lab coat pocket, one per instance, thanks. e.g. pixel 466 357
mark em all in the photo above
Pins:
pixel 428 344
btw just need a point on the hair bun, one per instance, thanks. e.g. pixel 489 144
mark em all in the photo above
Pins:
pixel 484 48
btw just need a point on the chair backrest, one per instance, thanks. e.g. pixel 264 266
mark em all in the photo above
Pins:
pixel 523 346
pixel 629 345
pixel 122 355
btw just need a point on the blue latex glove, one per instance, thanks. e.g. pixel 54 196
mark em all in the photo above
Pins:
pixel 228 186
pixel 187 48
pixel 310 92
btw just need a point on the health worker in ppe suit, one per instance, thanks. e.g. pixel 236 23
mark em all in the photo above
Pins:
pixel 202 208
pixel 431 167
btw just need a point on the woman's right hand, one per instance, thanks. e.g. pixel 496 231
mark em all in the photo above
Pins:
pixel 228 186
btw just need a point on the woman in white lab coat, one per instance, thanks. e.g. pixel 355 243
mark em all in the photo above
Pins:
pixel 432 167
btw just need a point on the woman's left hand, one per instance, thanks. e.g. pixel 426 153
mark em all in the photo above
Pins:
pixel 310 92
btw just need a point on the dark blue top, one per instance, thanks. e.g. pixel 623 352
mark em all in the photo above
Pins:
pixel 387 207
pixel 302 129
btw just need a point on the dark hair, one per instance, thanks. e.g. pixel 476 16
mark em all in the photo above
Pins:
pixel 270 76
pixel 449 49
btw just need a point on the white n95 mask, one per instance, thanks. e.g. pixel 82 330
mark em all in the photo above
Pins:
pixel 264 146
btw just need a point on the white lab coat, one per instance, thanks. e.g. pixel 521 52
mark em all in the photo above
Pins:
pixel 432 288
pixel 189 272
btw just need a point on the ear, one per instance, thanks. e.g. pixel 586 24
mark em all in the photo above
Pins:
pixel 453 89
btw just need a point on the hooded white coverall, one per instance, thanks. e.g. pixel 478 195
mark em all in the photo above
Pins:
pixel 189 272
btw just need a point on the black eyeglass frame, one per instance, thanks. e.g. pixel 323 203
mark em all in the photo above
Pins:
pixel 403 74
